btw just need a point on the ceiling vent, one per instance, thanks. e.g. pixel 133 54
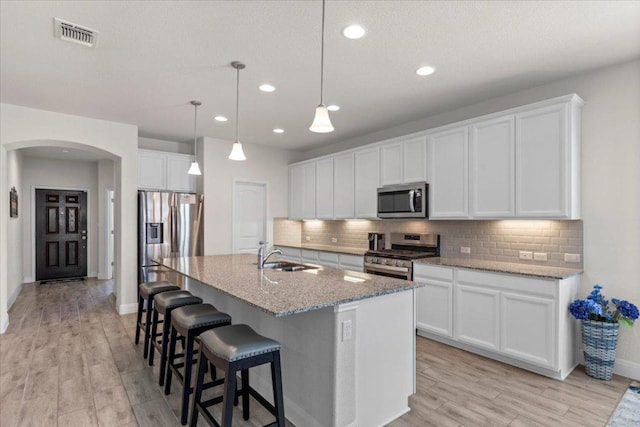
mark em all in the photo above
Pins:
pixel 75 33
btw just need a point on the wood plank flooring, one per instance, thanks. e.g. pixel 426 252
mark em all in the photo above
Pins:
pixel 68 359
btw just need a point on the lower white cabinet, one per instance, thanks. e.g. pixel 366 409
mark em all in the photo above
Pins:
pixel 290 253
pixel 352 262
pixel 325 258
pixel 516 319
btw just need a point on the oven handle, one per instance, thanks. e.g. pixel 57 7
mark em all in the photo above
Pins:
pixel 386 268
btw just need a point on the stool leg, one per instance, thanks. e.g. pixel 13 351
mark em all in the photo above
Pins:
pixel 276 379
pixel 172 358
pixel 197 395
pixel 163 353
pixel 139 318
pixel 186 384
pixel 147 327
pixel 151 336
pixel 229 393
pixel 244 375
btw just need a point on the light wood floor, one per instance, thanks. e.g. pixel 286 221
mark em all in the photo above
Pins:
pixel 68 359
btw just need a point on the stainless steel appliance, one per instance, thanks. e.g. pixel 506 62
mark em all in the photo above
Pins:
pixel 404 201
pixel 169 225
pixel 398 261
pixel 376 241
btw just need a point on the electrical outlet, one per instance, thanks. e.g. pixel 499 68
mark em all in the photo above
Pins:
pixel 526 255
pixel 334 240
pixel 571 257
pixel 347 330
pixel 307 238
pixel 465 250
pixel 540 256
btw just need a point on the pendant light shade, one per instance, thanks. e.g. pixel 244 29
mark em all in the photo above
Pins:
pixel 195 168
pixel 321 122
pixel 236 151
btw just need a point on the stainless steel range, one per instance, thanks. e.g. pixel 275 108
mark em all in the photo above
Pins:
pixel 398 261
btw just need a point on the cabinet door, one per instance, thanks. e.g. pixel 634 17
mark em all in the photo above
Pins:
pixel 329 259
pixel 448 169
pixel 414 165
pixel 290 253
pixel 477 312
pixel 177 177
pixel 302 193
pixel 151 170
pixel 351 262
pixel 309 256
pixel 367 179
pixel 324 189
pixel 542 153
pixel 391 164
pixel 434 306
pixel 343 186
pixel 528 328
pixel 492 168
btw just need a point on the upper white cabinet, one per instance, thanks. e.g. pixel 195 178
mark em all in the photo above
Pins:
pixel 414 164
pixel 448 169
pixel 324 189
pixel 302 194
pixel 366 182
pixel 158 170
pixel 492 168
pixel 344 186
pixel 391 164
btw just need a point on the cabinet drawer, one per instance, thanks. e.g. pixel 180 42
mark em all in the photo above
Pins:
pixel 508 282
pixel 433 272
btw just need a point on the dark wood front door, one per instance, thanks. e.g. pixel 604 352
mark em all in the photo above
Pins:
pixel 61 234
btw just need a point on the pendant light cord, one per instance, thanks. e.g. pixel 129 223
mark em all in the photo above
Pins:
pixel 195 133
pixel 322 58
pixel 237 102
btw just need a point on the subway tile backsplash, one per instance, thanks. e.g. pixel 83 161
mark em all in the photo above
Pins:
pixel 495 240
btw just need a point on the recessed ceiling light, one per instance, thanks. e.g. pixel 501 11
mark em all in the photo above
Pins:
pixel 425 71
pixel 266 87
pixel 220 118
pixel 278 130
pixel 354 32
pixel 333 107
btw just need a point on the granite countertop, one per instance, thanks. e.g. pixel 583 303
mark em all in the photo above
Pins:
pixel 283 293
pixel 539 271
pixel 328 248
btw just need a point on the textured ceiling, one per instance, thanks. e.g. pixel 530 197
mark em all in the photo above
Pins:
pixel 154 57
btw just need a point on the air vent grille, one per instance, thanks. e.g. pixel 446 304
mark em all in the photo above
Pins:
pixel 75 33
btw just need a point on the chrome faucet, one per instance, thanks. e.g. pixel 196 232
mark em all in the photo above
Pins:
pixel 262 258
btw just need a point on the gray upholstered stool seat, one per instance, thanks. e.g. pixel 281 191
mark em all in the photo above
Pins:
pixel 190 321
pixel 174 299
pixel 232 349
pixel 237 342
pixel 146 293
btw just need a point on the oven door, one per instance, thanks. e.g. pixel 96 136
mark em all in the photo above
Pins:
pixel 388 271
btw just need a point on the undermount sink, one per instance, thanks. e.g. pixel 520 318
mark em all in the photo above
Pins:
pixel 287 266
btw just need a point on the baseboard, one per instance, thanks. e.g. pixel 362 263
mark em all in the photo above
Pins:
pixel 14 295
pixel 28 279
pixel 102 276
pixel 4 322
pixel 128 308
pixel 92 274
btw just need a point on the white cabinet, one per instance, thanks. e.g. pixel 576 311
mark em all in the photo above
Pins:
pixel 351 262
pixel 343 186
pixel 366 182
pixel 309 256
pixel 158 170
pixel 324 189
pixel 492 168
pixel 290 253
pixel 329 259
pixel 302 193
pixel 547 162
pixel 414 165
pixel 434 301
pixel 477 316
pixel 391 164
pixel 448 174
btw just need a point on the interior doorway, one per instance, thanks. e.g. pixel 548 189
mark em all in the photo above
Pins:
pixel 109 230
pixel 249 216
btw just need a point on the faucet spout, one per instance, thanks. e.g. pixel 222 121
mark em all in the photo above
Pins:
pixel 262 258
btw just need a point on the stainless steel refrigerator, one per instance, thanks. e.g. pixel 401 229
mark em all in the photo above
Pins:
pixel 169 225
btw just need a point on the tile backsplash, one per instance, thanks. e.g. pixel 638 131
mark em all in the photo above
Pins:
pixel 495 240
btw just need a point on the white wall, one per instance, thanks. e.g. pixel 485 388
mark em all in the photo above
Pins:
pixel 106 182
pixel 62 174
pixel 610 178
pixel 15 163
pixel 263 164
pixel 22 127
pixel 162 145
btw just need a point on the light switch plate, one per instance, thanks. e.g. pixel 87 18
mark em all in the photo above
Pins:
pixel 334 240
pixel 526 255
pixel 465 250
pixel 571 257
pixel 540 256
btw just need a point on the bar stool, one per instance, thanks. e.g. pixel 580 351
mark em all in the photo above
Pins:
pixel 165 303
pixel 146 292
pixel 237 348
pixel 190 321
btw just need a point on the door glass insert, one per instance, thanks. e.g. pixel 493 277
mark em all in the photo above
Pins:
pixel 72 220
pixel 53 198
pixel 52 220
pixel 72 199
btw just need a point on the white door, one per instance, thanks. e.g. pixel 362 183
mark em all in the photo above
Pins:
pixel 249 216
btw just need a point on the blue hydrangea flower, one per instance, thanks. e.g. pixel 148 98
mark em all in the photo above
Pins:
pixel 580 309
pixel 627 309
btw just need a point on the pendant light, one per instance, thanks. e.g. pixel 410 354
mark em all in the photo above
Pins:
pixel 195 168
pixel 321 122
pixel 236 150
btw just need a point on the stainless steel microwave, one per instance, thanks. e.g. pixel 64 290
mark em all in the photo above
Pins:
pixel 404 201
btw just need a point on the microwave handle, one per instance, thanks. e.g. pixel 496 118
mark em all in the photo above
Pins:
pixel 412 200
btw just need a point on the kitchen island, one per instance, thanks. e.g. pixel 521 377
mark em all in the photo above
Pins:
pixel 348 338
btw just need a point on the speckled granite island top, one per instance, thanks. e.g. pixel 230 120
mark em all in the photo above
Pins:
pixel 540 271
pixel 283 293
